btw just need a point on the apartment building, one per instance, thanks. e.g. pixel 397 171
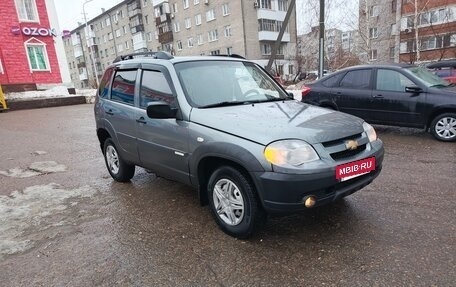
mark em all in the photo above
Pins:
pixel 340 48
pixel 427 30
pixel 184 28
pixel 413 31
pixel 378 30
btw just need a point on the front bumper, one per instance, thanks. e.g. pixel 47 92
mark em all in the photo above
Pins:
pixel 285 193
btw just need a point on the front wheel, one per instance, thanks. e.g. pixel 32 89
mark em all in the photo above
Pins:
pixel 234 203
pixel 443 127
pixel 117 167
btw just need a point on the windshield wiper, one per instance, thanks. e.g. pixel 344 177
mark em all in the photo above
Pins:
pixel 224 104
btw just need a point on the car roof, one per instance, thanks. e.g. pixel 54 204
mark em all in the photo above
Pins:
pixel 442 64
pixel 386 65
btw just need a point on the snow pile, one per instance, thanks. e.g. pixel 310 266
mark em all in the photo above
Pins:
pixel 56 92
pixel 89 94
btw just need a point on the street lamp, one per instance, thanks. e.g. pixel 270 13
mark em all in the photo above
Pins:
pixel 92 61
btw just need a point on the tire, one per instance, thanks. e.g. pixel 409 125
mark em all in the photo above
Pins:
pixel 117 167
pixel 443 127
pixel 234 203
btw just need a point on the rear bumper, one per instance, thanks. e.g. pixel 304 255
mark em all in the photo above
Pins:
pixel 286 193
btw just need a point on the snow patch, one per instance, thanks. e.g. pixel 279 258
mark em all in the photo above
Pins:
pixel 35 169
pixel 24 214
pixel 56 92
pixel 39 152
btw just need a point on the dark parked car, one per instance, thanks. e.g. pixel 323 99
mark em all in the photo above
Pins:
pixel 400 95
pixel 224 126
pixel 444 69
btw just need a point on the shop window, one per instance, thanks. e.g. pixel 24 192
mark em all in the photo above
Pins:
pixel 26 10
pixel 37 56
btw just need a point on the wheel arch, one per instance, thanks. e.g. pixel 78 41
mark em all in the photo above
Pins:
pixel 438 111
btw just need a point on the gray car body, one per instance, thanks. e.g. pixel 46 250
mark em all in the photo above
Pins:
pixel 175 148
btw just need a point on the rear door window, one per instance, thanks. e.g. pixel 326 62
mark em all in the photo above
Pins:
pixel 358 79
pixel 123 87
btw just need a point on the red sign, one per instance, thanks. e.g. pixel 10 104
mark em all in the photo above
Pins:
pixel 355 168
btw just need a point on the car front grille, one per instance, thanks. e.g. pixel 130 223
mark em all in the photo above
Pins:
pixel 338 149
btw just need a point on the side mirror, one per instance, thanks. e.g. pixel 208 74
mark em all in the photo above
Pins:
pixel 160 110
pixel 291 95
pixel 413 89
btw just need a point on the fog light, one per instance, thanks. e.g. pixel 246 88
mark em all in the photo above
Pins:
pixel 310 201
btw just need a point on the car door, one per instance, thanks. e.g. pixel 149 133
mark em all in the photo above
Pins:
pixel 353 94
pixel 121 113
pixel 392 105
pixel 162 143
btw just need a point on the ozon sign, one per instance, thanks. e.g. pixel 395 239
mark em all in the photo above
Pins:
pixel 34 31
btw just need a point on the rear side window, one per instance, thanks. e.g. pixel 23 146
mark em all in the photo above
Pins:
pixel 155 87
pixel 359 79
pixel 123 87
pixel 104 84
pixel 331 81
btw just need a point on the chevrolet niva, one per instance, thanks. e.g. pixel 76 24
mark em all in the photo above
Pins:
pixel 224 126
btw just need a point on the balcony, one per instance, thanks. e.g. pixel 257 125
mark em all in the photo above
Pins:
pixel 158 2
pixel 83 75
pixel 165 18
pixel 134 12
pixel 137 28
pixel 165 37
pixel 77 51
pixel 92 42
pixel 272 36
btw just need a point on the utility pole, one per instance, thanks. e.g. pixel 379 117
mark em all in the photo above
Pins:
pixel 279 37
pixel 90 49
pixel 321 53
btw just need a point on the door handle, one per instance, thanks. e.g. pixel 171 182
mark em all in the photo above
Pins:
pixel 110 112
pixel 377 96
pixel 141 120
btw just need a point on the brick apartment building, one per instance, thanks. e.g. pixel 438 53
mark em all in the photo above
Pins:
pixel 414 31
pixel 31 51
pixel 184 28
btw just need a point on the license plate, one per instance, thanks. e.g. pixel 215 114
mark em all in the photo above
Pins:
pixel 355 168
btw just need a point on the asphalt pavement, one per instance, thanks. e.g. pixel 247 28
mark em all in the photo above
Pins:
pixel 65 222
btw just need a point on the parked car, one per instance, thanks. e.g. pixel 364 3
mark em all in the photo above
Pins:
pixel 400 95
pixel 444 69
pixel 225 127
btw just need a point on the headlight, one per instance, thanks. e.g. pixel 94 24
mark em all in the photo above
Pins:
pixel 371 134
pixel 290 152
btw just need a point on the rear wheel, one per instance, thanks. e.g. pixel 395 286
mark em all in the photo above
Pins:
pixel 443 127
pixel 117 167
pixel 234 203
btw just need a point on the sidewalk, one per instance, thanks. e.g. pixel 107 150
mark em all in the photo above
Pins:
pixel 50 98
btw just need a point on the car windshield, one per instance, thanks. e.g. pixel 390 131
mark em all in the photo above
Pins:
pixel 428 78
pixel 223 83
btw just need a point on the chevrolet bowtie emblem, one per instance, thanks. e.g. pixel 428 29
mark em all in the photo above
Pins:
pixel 351 144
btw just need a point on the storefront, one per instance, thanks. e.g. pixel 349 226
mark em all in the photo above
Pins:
pixel 31 50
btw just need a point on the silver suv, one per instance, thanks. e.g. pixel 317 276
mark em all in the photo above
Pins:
pixel 225 127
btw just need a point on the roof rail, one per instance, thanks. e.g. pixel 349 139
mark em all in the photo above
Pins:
pixel 230 55
pixel 156 55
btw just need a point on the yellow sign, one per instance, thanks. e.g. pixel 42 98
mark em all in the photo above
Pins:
pixel 2 100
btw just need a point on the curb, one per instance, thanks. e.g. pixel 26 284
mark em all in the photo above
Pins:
pixel 14 105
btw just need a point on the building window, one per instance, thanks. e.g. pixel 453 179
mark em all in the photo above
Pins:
pixel 125 30
pixel 188 23
pixel 190 42
pixel 198 19
pixel 119 48
pixel 266 4
pixel 212 35
pixel 392 52
pixel 210 15
pixel 26 10
pixel 1 66
pixel 374 11
pixel 195 2
pixel 145 3
pixel 373 33
pixel 373 54
pixel 185 2
pixel 174 7
pixel 200 39
pixel 226 9
pixel 146 19
pixel 118 33
pixel 176 27
pixel 108 22
pixel 37 56
pixel 110 37
pixel 393 6
pixel 229 50
pixel 227 31
pixel 127 45
pixel 179 45
pixel 215 52
pixel 149 37
pixel 283 5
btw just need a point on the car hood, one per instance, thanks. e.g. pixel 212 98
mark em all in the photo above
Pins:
pixel 450 91
pixel 268 122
